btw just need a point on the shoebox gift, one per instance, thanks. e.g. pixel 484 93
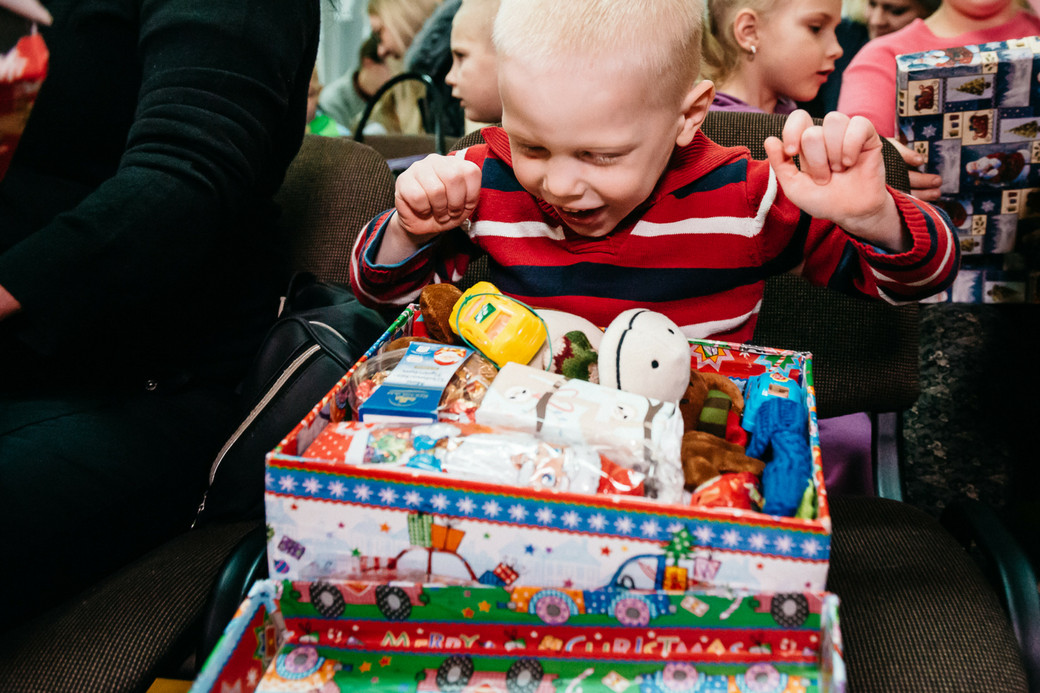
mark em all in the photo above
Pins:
pixel 550 481
pixel 974 113
pixel 401 636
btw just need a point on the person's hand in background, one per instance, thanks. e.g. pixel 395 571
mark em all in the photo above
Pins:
pixel 923 186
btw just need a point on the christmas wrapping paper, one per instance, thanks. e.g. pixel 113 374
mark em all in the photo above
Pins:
pixel 329 520
pixel 974 113
pixel 345 636
pixel 23 69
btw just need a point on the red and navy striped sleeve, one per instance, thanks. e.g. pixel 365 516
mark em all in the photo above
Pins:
pixel 442 260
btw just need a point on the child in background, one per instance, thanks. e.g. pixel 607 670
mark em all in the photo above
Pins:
pixel 318 123
pixel 394 25
pixel 599 193
pixel 763 55
pixel 473 76
pixel 862 22
pixel 869 84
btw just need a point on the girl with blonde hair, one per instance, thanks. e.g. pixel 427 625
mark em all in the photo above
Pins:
pixel 763 55
pixel 394 23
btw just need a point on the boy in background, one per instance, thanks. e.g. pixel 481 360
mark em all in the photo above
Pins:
pixel 599 193
pixel 473 77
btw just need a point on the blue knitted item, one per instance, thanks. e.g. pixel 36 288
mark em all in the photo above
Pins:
pixel 780 425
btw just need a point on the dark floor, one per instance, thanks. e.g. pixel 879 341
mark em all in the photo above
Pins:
pixel 975 430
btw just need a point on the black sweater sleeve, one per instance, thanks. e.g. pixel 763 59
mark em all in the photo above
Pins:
pixel 149 162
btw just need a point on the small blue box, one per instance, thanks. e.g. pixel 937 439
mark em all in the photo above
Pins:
pixel 413 389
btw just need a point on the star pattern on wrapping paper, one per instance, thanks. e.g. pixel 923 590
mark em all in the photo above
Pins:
pixel 711 356
pixel 616 522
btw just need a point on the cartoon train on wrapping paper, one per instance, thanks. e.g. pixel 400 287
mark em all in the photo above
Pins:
pixel 633 596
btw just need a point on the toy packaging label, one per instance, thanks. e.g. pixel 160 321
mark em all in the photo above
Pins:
pixel 974 113
pixel 401 637
pixel 413 389
pixel 328 519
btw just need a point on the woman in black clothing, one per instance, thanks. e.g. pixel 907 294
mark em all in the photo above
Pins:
pixel 139 269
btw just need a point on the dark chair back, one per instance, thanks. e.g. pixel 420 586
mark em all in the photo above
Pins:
pixel 332 189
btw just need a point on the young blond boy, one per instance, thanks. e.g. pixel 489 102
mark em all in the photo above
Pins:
pixel 473 77
pixel 599 193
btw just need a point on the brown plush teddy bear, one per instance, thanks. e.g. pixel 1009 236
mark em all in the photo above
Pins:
pixel 705 453
pixel 436 302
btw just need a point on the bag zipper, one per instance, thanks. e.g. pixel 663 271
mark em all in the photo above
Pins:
pixel 268 396
pixel 331 329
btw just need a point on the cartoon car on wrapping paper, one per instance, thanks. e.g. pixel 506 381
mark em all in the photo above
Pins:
pixel 394 601
pixel 683 676
pixel 432 557
pixel 457 674
pixel 631 596
pixel 790 609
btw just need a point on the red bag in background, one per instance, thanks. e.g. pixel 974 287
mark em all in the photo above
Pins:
pixel 22 71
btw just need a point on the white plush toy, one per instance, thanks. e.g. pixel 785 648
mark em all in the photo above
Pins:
pixel 646 353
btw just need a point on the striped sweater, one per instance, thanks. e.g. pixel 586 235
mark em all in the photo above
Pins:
pixel 698 250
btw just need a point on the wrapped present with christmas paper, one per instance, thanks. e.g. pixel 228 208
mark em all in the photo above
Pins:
pixel 334 636
pixel 437 521
pixel 973 112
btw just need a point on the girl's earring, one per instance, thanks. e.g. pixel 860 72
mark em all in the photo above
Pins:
pixel 751 52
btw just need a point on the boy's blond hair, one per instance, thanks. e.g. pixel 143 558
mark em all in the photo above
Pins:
pixel 660 37
pixel 485 9
pixel 720 51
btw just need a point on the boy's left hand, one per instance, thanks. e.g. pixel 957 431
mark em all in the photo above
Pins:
pixel 842 176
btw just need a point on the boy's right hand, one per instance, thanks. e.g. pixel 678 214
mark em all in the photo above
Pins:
pixel 433 195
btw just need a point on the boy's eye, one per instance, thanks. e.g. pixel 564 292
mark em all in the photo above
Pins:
pixel 599 158
pixel 530 151
pixel 816 29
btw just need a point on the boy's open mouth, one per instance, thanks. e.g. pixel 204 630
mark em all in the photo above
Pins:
pixel 579 217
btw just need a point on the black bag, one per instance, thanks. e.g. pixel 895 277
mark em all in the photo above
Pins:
pixel 321 331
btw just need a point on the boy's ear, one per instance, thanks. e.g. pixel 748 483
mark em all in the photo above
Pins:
pixel 694 108
pixel 745 29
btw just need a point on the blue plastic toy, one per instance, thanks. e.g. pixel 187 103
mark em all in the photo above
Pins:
pixel 776 417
